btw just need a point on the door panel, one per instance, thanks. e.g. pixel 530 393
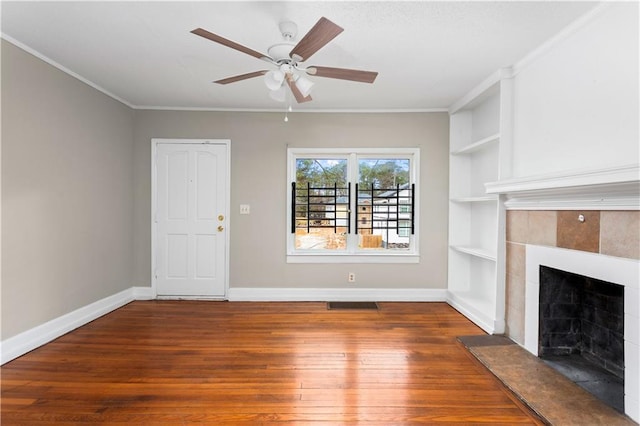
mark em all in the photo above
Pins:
pixel 191 185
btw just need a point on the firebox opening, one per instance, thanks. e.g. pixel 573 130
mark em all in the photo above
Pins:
pixel 581 332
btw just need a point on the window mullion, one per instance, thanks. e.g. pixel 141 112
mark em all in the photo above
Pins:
pixel 390 202
pixel 352 177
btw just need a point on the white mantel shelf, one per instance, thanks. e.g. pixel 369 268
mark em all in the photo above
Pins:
pixel 616 188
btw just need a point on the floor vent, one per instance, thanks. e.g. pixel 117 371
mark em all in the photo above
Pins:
pixel 352 306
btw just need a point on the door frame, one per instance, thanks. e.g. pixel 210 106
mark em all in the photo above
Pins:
pixel 154 228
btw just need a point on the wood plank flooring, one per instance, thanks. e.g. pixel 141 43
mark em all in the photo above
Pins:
pixel 179 362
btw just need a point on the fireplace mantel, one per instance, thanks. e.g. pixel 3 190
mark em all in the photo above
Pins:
pixel 615 188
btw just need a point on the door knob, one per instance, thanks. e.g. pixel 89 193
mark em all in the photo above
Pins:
pixel 220 218
pixel 220 228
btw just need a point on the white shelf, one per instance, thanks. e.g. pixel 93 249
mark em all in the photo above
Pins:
pixel 475 146
pixel 483 199
pixel 476 251
pixel 479 153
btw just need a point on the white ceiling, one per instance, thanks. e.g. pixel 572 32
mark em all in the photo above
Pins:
pixel 428 54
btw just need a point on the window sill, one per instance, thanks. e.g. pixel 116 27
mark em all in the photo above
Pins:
pixel 353 258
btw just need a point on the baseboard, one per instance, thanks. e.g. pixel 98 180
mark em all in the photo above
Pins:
pixel 259 294
pixel 143 293
pixel 26 341
pixel 29 340
pixel 475 315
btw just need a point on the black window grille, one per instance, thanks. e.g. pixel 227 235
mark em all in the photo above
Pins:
pixel 320 207
pixel 385 209
pixel 378 209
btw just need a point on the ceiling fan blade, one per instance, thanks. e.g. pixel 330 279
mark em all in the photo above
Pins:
pixel 232 44
pixel 241 77
pixel 343 74
pixel 322 33
pixel 300 98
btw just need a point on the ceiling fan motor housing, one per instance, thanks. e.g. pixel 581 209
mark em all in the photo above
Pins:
pixel 280 52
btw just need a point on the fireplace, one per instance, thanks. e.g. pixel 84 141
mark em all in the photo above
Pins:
pixel 614 276
pixel 581 332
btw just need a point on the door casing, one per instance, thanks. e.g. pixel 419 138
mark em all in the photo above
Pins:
pixel 154 232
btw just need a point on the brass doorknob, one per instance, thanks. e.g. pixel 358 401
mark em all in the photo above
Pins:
pixel 220 218
pixel 220 228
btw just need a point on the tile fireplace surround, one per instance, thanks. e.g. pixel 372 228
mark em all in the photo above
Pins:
pixel 586 222
pixel 600 244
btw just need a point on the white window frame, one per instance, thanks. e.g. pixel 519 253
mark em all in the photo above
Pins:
pixel 352 254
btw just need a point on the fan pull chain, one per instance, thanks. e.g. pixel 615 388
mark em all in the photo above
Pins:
pixel 290 109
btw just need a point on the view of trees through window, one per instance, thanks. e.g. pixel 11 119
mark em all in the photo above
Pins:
pixel 383 173
pixel 322 204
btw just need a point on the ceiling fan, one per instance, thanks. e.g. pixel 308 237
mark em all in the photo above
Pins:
pixel 287 57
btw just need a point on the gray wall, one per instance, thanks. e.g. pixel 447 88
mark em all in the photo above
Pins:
pixel 258 178
pixel 67 197
pixel 76 192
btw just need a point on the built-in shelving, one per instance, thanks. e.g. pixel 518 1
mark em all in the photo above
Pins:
pixel 479 147
pixel 481 199
pixel 476 251
pixel 475 146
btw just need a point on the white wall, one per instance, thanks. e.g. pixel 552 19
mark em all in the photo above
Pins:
pixel 576 106
pixel 259 177
pixel 67 198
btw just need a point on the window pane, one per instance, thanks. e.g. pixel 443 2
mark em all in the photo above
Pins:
pixel 322 204
pixel 384 173
pixel 384 204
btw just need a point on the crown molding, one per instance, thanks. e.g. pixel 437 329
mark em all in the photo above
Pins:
pixel 64 69
pixel 568 31
pixel 510 72
pixel 90 83
pixel 282 110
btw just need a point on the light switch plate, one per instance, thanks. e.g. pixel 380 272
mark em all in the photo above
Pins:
pixel 245 209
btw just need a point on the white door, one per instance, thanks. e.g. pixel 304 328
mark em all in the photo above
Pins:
pixel 191 197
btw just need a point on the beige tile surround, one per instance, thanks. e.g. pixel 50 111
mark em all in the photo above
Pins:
pixel 612 233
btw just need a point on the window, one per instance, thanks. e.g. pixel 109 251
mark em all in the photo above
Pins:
pixel 352 205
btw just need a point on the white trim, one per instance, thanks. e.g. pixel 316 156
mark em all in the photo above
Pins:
pixel 476 311
pixel 485 89
pixel 567 179
pixel 617 270
pixel 282 110
pixel 62 68
pixel 602 203
pixel 613 188
pixel 568 31
pixel 353 258
pixel 277 109
pixel 352 254
pixel 477 93
pixel 143 293
pixel 26 341
pixel 154 174
pixel 286 294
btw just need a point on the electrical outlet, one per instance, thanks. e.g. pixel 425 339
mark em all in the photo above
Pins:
pixel 245 209
pixel 351 277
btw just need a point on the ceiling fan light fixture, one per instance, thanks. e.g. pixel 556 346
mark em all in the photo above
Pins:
pixel 304 85
pixel 279 95
pixel 273 79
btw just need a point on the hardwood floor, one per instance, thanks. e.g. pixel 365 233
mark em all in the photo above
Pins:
pixel 177 362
